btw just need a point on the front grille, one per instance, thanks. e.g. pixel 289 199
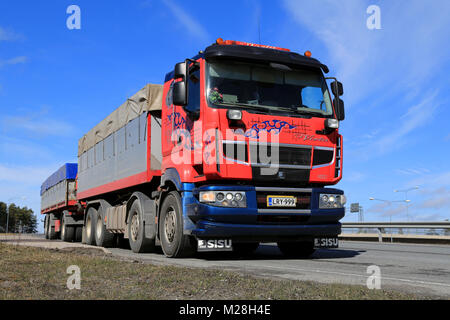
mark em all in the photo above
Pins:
pixel 235 151
pixel 322 156
pixel 264 154
pixel 303 199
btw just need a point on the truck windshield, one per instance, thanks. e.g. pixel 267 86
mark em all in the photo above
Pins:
pixel 268 89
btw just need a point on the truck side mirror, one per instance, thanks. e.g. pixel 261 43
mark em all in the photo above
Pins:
pixel 180 90
pixel 337 88
pixel 339 108
pixel 179 93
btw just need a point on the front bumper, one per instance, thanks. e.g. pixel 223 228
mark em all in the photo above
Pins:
pixel 206 221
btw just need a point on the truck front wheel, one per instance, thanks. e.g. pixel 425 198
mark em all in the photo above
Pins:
pixel 173 242
pixel 302 249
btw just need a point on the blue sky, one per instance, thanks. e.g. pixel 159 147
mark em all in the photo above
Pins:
pixel 56 83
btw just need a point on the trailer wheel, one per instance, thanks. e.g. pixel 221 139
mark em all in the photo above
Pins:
pixel 245 248
pixel 78 234
pixel 51 229
pixel 103 238
pixel 90 226
pixel 136 236
pixel 67 232
pixel 46 226
pixel 302 249
pixel 173 242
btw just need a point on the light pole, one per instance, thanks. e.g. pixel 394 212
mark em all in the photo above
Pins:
pixel 406 197
pixel 390 214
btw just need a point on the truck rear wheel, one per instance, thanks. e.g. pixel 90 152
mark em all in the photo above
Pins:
pixel 136 233
pixel 301 249
pixel 173 242
pixel 89 227
pixel 67 232
pixel 103 238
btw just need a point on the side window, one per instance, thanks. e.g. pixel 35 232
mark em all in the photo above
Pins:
pixel 194 92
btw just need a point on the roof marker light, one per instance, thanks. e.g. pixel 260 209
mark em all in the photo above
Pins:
pixel 220 41
pixel 308 54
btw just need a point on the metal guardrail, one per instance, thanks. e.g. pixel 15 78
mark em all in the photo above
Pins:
pixel 399 225
pixel 381 226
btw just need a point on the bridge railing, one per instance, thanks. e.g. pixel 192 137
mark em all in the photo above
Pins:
pixel 429 228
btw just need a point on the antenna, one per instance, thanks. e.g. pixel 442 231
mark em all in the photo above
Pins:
pixel 259 26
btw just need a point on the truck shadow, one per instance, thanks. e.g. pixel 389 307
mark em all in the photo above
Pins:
pixel 271 252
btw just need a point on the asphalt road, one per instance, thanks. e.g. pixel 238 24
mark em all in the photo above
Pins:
pixel 416 268
pixel 420 269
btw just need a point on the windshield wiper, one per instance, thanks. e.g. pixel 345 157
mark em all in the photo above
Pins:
pixel 294 109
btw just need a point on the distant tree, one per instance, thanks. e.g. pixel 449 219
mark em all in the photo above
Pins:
pixel 20 219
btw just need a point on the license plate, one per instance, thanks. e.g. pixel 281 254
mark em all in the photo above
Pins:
pixel 214 245
pixel 281 201
pixel 326 242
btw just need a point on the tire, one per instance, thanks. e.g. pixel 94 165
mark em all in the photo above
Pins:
pixel 51 230
pixel 136 234
pixel 173 242
pixel 46 226
pixel 90 226
pixel 245 248
pixel 78 234
pixel 67 232
pixel 103 238
pixel 302 249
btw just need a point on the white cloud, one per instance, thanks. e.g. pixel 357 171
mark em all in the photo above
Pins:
pixel 416 116
pixel 37 124
pixel 9 35
pixel 192 26
pixel 404 54
pixel 13 61
pixel 25 175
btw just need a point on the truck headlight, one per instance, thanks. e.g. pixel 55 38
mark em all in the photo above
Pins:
pixel 224 198
pixel 331 201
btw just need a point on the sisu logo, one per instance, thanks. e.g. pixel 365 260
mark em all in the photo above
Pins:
pixel 269 125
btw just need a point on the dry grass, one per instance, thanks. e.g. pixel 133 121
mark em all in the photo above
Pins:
pixel 36 273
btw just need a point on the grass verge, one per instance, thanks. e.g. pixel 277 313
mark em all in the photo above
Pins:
pixel 36 273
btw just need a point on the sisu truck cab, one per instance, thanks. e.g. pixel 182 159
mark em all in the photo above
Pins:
pixel 264 119
pixel 235 149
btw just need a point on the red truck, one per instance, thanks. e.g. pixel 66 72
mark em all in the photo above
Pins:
pixel 235 149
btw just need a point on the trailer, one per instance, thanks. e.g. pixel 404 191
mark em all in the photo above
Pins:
pixel 236 148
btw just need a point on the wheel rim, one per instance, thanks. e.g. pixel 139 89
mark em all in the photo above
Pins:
pixel 63 230
pixel 134 227
pixel 99 228
pixel 170 224
pixel 88 227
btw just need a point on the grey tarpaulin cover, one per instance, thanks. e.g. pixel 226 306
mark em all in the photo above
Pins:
pixel 147 99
